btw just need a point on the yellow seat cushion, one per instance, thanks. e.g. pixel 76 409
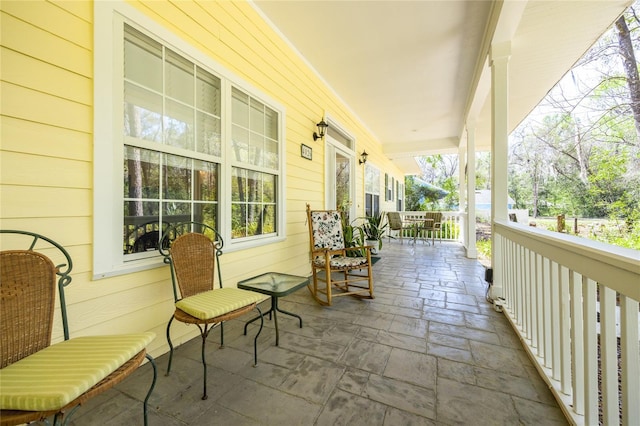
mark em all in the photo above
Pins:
pixel 55 376
pixel 214 303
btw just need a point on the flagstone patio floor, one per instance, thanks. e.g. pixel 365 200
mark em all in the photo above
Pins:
pixel 428 350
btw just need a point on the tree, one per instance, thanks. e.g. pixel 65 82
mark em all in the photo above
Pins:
pixel 630 66
pixel 442 172
pixel 579 152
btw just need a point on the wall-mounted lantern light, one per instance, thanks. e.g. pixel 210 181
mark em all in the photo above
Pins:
pixel 363 157
pixel 322 128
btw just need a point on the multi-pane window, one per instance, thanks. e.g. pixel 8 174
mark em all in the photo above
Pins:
pixel 371 190
pixel 174 148
pixel 172 141
pixel 388 185
pixel 255 166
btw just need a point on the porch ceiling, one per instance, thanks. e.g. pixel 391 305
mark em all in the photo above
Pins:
pixel 415 71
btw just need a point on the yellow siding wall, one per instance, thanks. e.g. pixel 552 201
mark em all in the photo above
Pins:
pixel 46 170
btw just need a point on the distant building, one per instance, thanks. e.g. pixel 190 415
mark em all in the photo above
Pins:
pixel 483 200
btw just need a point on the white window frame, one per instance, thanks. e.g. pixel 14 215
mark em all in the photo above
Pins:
pixel 108 259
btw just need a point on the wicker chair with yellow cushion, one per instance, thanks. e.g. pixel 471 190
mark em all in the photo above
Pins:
pixel 39 379
pixel 334 264
pixel 193 249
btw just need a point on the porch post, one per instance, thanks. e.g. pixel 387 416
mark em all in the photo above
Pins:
pixel 472 252
pixel 499 60
pixel 463 196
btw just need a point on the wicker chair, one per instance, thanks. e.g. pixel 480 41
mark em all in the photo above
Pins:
pixel 396 224
pixel 192 249
pixel 432 226
pixel 68 373
pixel 334 264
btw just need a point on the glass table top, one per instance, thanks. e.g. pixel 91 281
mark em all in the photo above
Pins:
pixel 274 283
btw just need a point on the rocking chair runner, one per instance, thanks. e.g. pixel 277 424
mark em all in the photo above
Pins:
pixel 67 373
pixel 194 258
pixel 334 264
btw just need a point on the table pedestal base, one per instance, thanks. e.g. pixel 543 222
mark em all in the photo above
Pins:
pixel 274 309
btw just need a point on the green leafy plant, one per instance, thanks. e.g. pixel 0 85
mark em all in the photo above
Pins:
pixel 374 228
pixel 352 235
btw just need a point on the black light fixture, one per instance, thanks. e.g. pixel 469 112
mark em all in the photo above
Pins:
pixel 322 128
pixel 363 157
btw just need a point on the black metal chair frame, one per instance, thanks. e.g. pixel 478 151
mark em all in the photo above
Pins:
pixel 205 326
pixel 63 271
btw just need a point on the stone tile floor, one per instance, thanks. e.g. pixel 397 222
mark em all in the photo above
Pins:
pixel 428 350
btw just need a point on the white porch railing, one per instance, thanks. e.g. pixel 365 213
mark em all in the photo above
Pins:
pixel 451 223
pixel 571 299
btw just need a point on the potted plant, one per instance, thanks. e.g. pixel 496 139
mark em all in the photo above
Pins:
pixel 373 230
pixel 352 234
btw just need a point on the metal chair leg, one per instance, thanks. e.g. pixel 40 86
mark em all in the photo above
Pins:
pixel 255 340
pixel 153 384
pixel 170 346
pixel 204 333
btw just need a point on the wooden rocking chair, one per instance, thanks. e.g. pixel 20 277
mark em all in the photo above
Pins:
pixel 334 264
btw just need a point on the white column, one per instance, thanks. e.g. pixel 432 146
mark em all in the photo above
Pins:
pixel 472 252
pixel 463 196
pixel 499 60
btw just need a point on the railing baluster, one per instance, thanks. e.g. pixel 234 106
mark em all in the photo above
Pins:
pixel 541 305
pixel 577 342
pixel 526 293
pixel 517 278
pixel 591 355
pixel 565 327
pixel 609 355
pixel 546 289
pixel 630 362
pixel 555 320
pixel 533 296
pixel 506 272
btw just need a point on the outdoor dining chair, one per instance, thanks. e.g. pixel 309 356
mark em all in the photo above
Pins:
pixel 193 250
pixel 337 270
pixel 431 226
pixel 39 379
pixel 396 224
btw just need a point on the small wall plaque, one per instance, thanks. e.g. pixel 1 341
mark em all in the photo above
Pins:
pixel 306 151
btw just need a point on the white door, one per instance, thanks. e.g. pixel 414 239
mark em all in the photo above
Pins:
pixel 340 177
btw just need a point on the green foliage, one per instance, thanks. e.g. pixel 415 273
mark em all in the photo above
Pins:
pixel 483 170
pixel 578 152
pixel 424 198
pixel 412 194
pixel 374 228
pixel 484 249
pixel 352 237
pixel 449 228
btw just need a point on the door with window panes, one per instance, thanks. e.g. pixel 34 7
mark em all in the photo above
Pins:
pixel 340 171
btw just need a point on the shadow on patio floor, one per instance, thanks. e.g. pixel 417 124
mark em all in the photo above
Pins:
pixel 428 350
